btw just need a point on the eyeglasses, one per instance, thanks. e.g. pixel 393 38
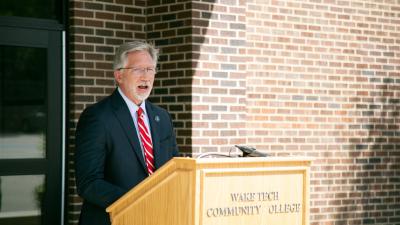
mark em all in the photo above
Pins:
pixel 140 71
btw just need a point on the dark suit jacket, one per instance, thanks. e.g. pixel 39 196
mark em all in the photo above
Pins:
pixel 108 158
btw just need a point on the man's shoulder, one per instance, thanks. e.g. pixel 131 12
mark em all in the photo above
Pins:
pixel 100 108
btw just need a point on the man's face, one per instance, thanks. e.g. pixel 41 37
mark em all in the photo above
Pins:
pixel 137 80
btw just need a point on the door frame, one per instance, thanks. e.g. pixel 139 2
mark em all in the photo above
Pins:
pixel 47 34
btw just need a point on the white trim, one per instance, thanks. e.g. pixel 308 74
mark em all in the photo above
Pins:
pixel 63 126
pixel 14 214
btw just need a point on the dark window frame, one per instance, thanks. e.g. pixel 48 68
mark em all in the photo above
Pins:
pixel 31 32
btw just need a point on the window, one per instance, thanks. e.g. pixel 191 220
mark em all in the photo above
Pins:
pixel 31 107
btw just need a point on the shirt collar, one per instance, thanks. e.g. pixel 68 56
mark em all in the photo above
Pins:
pixel 133 108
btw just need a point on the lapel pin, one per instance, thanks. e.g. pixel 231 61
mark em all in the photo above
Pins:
pixel 157 119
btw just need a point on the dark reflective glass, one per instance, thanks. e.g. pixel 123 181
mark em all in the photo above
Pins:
pixel 42 9
pixel 23 106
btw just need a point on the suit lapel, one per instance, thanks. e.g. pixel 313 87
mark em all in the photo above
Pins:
pixel 124 117
pixel 154 121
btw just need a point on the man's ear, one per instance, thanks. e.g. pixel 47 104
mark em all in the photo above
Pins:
pixel 117 76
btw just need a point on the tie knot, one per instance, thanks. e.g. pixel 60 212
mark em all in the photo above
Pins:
pixel 140 112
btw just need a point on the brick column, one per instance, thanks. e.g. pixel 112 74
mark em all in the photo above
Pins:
pixel 169 27
pixel 219 80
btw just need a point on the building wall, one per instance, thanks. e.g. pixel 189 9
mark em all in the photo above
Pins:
pixel 219 81
pixel 169 28
pixel 323 81
pixel 316 78
pixel 96 29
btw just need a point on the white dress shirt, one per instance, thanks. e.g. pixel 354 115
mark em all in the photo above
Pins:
pixel 133 108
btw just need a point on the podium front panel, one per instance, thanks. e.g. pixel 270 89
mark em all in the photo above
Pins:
pixel 268 196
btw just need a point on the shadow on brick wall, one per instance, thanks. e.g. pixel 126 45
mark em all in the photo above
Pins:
pixel 177 28
pixel 375 149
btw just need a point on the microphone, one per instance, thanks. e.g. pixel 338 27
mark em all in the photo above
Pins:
pixel 249 151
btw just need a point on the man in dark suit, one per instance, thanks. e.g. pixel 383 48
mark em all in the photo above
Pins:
pixel 115 147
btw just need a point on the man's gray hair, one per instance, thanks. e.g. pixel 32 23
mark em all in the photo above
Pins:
pixel 123 50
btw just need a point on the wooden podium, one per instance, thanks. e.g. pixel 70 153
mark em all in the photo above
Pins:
pixel 219 191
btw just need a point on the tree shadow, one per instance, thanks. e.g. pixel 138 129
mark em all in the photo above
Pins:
pixel 375 168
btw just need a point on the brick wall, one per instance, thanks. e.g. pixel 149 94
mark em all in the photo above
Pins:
pixel 323 81
pixel 313 78
pixel 219 81
pixel 96 29
pixel 169 27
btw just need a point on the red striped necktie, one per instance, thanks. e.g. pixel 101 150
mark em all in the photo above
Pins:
pixel 146 142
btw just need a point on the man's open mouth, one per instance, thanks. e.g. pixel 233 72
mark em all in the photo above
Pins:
pixel 143 87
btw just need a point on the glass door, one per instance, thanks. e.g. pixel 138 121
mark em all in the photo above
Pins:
pixel 30 126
